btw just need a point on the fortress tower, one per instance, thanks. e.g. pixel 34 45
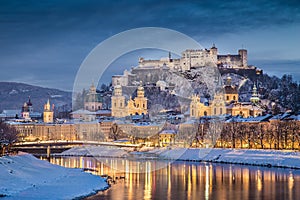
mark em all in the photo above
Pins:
pixel 244 58
pixel 214 53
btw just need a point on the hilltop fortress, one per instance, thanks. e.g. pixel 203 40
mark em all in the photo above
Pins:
pixel 151 71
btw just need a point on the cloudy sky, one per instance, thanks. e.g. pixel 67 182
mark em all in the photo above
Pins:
pixel 44 42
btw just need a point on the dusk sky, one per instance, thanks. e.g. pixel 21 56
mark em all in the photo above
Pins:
pixel 44 42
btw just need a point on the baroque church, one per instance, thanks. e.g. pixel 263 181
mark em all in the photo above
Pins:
pixel 93 100
pixel 227 103
pixel 138 105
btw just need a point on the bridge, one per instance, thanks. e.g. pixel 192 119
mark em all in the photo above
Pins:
pixel 58 146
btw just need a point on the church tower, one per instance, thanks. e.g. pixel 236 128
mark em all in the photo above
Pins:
pixel 254 98
pixel 48 113
pixel 140 102
pixel 218 104
pixel 231 92
pixel 118 103
pixel 25 111
pixel 29 104
pixel 194 106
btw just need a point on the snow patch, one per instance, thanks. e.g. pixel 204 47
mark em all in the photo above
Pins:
pixel 26 177
pixel 13 92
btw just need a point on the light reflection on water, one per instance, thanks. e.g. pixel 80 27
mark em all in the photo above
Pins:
pixel 189 180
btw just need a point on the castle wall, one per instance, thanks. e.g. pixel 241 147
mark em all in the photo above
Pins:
pixel 198 58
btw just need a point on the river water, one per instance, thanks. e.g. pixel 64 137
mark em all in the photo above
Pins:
pixel 188 180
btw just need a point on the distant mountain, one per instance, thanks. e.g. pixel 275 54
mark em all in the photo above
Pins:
pixel 13 95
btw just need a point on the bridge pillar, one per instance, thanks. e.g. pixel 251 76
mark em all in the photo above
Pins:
pixel 48 152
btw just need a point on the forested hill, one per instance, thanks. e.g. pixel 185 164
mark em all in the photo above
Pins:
pixel 13 95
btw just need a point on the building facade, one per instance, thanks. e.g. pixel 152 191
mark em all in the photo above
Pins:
pixel 138 105
pixel 226 103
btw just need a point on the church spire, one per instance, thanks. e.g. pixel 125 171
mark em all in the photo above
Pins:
pixel 254 98
pixel 47 106
pixel 48 113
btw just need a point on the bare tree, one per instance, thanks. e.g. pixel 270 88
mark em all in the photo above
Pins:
pixel 270 139
pixel 241 133
pixel 213 132
pixel 233 131
pixel 260 136
pixel 116 133
pixel 293 129
pixel 8 136
pixel 277 132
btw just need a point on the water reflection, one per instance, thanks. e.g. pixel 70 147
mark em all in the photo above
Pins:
pixel 184 180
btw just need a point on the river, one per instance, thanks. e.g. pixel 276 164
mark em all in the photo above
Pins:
pixel 188 180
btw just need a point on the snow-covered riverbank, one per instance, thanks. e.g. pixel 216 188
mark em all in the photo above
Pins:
pixel 268 158
pixel 275 158
pixel 26 177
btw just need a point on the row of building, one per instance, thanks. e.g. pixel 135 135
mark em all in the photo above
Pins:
pixel 138 128
pixel 224 102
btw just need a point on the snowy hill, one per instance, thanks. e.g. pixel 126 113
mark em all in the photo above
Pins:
pixel 13 95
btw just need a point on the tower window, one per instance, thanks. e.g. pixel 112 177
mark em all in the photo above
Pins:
pixel 227 98
pixel 233 97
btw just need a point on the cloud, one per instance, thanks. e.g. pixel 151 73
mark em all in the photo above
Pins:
pixel 40 33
